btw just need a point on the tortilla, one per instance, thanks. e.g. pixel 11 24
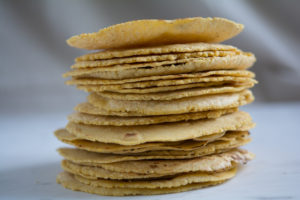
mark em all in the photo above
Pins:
pixel 176 181
pixel 157 50
pixel 144 120
pixel 169 95
pixel 160 50
pixel 176 84
pixel 170 82
pixel 94 81
pixel 100 147
pixel 230 141
pixel 170 132
pixel 210 163
pixel 67 180
pixel 207 164
pixel 91 172
pixel 99 88
pixel 235 62
pixel 153 32
pixel 150 59
pixel 178 106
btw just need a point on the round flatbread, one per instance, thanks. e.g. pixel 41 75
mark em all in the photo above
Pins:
pixel 235 62
pixel 210 163
pixel 100 147
pixel 153 32
pixel 144 120
pixel 160 50
pixel 151 59
pixel 67 180
pixel 91 172
pixel 169 85
pixel 161 83
pixel 171 95
pixel 176 181
pixel 170 132
pixel 230 141
pixel 94 81
pixel 175 84
pixel 178 106
pixel 97 88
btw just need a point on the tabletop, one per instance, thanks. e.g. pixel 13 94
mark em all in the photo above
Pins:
pixel 29 162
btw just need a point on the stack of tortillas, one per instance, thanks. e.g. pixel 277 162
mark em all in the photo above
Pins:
pixel 162 114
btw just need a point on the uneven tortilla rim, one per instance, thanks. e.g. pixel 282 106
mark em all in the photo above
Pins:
pixel 235 73
pixel 214 147
pixel 145 108
pixel 157 50
pixel 176 181
pixel 239 62
pixel 234 156
pixel 121 149
pixel 152 58
pixel 91 40
pixel 159 89
pixel 65 179
pixel 91 119
pixel 169 82
pixel 174 94
pixel 245 123
pixel 92 172
pixel 110 171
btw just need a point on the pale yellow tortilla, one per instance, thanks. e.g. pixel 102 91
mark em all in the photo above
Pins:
pixel 161 83
pixel 157 50
pixel 91 172
pixel 151 59
pixel 210 163
pixel 170 95
pixel 144 120
pixel 178 106
pixel 217 73
pixel 67 180
pixel 100 147
pixel 170 132
pixel 147 90
pixel 151 87
pixel 230 141
pixel 176 181
pixel 158 32
pixel 235 62
pixel 170 83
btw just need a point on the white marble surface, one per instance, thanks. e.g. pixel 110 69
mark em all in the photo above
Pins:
pixel 29 162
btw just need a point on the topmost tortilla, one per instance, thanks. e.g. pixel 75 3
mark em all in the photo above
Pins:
pixel 158 32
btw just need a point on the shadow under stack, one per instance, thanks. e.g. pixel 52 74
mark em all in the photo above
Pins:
pixel 162 114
